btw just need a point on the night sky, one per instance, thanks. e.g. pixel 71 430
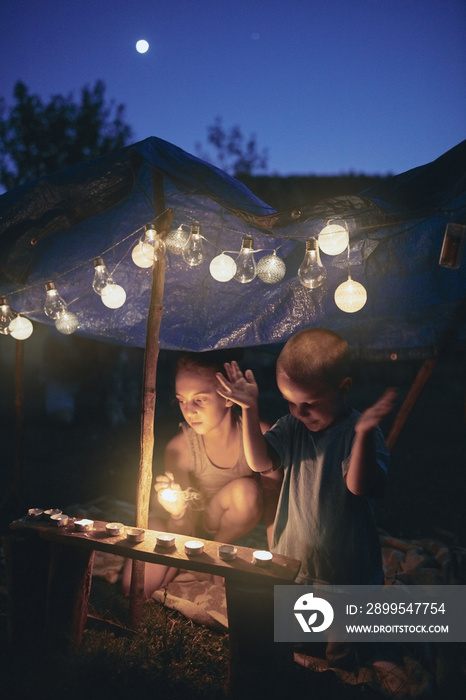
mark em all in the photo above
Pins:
pixel 373 86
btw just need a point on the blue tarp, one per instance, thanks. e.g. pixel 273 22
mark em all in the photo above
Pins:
pixel 53 228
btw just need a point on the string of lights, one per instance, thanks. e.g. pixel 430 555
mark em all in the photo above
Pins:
pixel 187 241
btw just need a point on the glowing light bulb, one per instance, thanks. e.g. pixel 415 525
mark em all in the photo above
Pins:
pixel 193 252
pixel 176 240
pixel 245 264
pixel 271 269
pixel 6 316
pixel 54 304
pixel 150 247
pixel 311 272
pixel 101 276
pixel 21 328
pixel 333 239
pixel 66 322
pixel 222 268
pixel 113 296
pixel 350 296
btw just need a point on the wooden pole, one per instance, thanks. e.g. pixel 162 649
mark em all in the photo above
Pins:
pixel 19 355
pixel 162 224
pixel 403 414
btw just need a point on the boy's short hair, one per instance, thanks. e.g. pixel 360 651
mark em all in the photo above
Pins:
pixel 315 355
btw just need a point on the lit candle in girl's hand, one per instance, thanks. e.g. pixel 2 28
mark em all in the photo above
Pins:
pixel 169 495
pixel 115 529
pixel 84 525
pixel 262 557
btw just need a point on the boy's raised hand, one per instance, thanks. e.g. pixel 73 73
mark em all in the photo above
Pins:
pixel 238 387
pixel 372 416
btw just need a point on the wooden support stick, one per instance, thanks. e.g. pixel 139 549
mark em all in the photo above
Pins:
pixel 417 386
pixel 154 319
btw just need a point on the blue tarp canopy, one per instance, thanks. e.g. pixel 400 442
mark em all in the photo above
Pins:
pixel 53 228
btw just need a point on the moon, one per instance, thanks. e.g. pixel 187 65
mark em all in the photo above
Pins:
pixel 142 46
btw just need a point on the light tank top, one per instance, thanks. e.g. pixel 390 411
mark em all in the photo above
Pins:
pixel 210 478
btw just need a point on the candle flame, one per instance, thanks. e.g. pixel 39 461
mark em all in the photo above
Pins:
pixel 169 495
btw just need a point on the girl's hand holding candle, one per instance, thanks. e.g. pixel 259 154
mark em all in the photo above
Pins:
pixel 170 495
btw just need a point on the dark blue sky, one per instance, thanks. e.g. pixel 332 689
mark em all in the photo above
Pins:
pixel 372 86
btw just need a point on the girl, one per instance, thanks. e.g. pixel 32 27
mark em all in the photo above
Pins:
pixel 207 455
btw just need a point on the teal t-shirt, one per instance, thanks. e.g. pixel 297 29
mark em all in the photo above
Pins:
pixel 319 521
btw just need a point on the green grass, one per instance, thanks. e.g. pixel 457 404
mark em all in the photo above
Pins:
pixel 169 656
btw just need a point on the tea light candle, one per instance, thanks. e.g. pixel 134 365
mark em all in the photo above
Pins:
pixel 166 540
pixel 193 547
pixel 84 525
pixel 135 534
pixel 35 513
pixel 52 511
pixel 262 557
pixel 115 529
pixel 227 552
pixel 59 519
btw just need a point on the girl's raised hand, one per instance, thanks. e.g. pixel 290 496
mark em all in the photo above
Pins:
pixel 238 387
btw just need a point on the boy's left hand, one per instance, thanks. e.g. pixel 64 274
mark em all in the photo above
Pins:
pixel 372 416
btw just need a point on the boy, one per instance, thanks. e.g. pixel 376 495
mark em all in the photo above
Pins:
pixel 334 460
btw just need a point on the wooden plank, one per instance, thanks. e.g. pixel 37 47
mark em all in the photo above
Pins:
pixel 281 569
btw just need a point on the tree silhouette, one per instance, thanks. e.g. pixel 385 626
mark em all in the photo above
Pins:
pixel 234 153
pixel 38 139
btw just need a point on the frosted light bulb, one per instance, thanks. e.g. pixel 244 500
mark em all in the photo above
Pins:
pixel 113 296
pixel 311 272
pixel 222 268
pixel 6 316
pixel 271 269
pixel 176 240
pixel 245 264
pixel 151 247
pixel 101 276
pixel 66 322
pixel 139 257
pixel 21 328
pixel 333 239
pixel 350 296
pixel 54 304
pixel 193 252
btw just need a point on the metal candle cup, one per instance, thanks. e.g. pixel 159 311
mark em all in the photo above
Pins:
pixel 135 534
pixel 227 552
pixel 115 529
pixel 35 513
pixel 51 511
pixel 59 519
pixel 262 557
pixel 166 541
pixel 193 547
pixel 84 525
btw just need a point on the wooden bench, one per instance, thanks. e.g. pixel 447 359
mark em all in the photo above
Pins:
pixel 49 573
